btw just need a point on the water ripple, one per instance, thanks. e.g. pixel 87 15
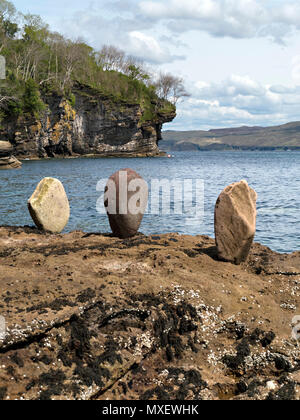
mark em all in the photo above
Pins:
pixel 275 176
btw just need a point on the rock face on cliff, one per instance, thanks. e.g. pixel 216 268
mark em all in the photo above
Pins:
pixel 96 124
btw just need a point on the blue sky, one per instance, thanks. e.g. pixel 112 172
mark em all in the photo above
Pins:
pixel 240 59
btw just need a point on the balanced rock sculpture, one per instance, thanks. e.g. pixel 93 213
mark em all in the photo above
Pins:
pixel 126 198
pixel 7 161
pixel 49 206
pixel 235 222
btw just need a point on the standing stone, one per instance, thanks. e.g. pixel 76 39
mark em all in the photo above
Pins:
pixel 49 206
pixel 126 198
pixel 235 222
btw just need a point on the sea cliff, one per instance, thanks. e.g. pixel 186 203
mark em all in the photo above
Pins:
pixel 92 123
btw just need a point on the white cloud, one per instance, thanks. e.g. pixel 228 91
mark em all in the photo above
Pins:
pixel 146 47
pixel 232 18
pixel 242 77
pixel 234 86
pixel 288 90
pixel 201 84
pixel 126 33
pixel 202 9
pixel 296 69
pixel 238 101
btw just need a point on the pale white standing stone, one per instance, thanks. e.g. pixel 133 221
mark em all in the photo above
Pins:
pixel 49 206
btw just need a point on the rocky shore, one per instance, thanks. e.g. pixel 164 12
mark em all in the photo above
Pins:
pixel 7 161
pixel 90 316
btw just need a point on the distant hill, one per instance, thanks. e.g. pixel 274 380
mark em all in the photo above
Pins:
pixel 285 136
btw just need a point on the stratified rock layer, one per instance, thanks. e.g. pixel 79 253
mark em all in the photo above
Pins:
pixel 126 199
pixel 235 222
pixel 49 206
pixel 9 162
pixel 6 148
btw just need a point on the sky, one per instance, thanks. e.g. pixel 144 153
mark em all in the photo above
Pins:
pixel 240 59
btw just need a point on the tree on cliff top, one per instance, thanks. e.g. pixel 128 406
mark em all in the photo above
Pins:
pixel 170 87
pixel 32 100
pixel 41 59
pixel 8 27
pixel 110 58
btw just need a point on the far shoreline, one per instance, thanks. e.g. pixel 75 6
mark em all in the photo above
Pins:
pixel 162 154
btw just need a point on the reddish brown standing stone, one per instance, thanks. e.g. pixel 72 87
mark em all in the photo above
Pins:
pixel 235 222
pixel 126 198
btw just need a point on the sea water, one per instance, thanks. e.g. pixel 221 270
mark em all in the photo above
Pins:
pixel 274 175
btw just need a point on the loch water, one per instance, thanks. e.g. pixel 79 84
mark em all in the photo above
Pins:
pixel 274 175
